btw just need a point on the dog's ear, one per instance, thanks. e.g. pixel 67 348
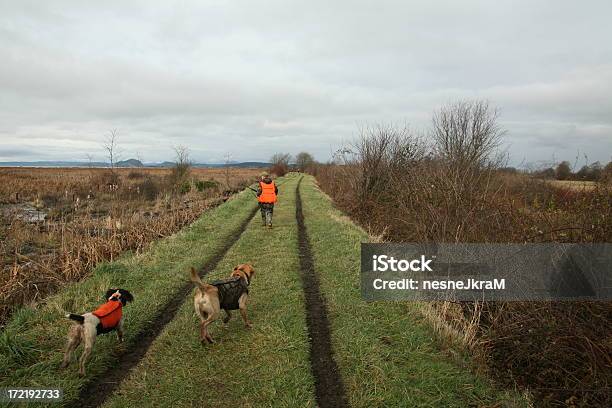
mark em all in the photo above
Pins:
pixel 109 293
pixel 250 269
pixel 247 269
pixel 126 295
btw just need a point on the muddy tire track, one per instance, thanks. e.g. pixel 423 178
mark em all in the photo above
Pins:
pixel 101 386
pixel 329 390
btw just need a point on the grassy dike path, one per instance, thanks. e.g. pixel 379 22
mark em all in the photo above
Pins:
pixel 379 354
pixel 387 356
pixel 31 344
pixel 266 366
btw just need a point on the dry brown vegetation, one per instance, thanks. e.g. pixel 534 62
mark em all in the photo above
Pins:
pixel 280 164
pixel 58 223
pixel 401 188
pixel 574 184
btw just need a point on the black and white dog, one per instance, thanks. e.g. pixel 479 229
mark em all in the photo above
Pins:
pixel 107 317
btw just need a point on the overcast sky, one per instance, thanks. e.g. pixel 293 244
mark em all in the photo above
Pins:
pixel 251 78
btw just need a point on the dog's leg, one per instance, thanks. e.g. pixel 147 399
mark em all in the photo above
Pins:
pixel 120 331
pixel 74 339
pixel 242 304
pixel 89 338
pixel 227 317
pixel 207 307
pixel 202 331
pixel 204 335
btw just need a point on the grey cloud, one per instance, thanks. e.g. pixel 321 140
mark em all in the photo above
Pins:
pixel 252 79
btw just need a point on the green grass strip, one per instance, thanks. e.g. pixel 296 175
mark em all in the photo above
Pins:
pixel 31 345
pixel 387 355
pixel 266 366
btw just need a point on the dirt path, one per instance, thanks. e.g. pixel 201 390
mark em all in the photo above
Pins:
pixel 329 390
pixel 95 393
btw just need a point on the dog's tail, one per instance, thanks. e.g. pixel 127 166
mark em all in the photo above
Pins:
pixel 75 317
pixel 195 278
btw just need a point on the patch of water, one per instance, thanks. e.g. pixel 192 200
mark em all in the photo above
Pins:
pixel 23 212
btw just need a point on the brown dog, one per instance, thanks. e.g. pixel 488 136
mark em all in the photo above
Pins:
pixel 228 294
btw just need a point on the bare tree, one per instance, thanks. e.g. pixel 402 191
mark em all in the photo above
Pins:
pixel 139 158
pixel 280 163
pixel 280 158
pixel 467 133
pixel 182 161
pixel 89 158
pixel 182 167
pixel 304 161
pixel 112 151
pixel 382 155
pixel 227 169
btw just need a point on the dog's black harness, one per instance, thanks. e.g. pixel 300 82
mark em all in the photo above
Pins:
pixel 230 291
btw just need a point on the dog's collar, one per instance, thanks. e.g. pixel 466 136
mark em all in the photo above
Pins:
pixel 246 277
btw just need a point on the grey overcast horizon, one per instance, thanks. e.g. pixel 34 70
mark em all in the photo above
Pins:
pixel 251 79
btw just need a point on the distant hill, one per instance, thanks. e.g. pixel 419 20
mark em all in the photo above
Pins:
pixel 126 163
pixel 129 163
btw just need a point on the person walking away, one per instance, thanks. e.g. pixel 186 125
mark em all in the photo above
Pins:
pixel 266 195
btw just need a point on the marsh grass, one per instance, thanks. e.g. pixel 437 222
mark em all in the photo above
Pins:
pixel 33 339
pixel 92 215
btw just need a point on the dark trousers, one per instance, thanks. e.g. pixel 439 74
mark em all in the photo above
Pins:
pixel 266 212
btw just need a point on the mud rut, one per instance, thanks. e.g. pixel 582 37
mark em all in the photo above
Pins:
pixel 329 391
pixel 99 388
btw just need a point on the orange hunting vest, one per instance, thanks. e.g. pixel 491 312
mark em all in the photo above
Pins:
pixel 267 193
pixel 109 314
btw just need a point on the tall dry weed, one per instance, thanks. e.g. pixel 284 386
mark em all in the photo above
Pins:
pixel 453 190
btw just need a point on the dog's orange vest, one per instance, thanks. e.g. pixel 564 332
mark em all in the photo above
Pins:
pixel 268 195
pixel 109 314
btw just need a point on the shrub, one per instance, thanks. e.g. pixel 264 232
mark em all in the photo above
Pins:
pixel 181 170
pixel 592 172
pixel 50 200
pixel 279 169
pixel 438 194
pixel 202 185
pixel 466 133
pixel 563 171
pixel 304 161
pixel 134 174
pixel 185 187
pixel 547 173
pixel 280 164
pixel 149 189
pixel 607 172
pixel 106 178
